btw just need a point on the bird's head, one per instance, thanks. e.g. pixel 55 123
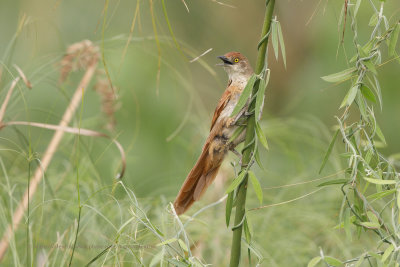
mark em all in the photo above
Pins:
pixel 236 65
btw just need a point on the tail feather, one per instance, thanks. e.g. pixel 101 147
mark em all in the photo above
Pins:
pixel 196 183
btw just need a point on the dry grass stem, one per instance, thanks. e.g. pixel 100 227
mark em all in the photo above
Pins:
pixel 88 58
pixel 7 99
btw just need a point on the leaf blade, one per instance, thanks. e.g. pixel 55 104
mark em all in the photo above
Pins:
pixel 339 76
pixel 245 95
pixel 256 186
pixel 329 151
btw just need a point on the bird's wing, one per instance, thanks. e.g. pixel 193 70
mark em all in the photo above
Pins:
pixel 226 96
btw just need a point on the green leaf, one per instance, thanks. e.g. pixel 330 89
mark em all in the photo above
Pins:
pixel 228 210
pixel 372 217
pixel 373 20
pixel 379 181
pixel 378 90
pixel 332 182
pixel 360 260
pixel 238 180
pixel 314 261
pixel 332 261
pixel 380 134
pixel 393 39
pixel 367 93
pixel 398 199
pixel 261 136
pixel 177 263
pixel 259 99
pixel 256 186
pixel 274 36
pixel 341 225
pixel 361 105
pixel 340 76
pixel 370 225
pixel 183 245
pixel 247 230
pixel 370 66
pixel 258 160
pixel 329 151
pixel 168 241
pixel 282 43
pixel 382 194
pixel 350 96
pixel 245 95
pixel 387 253
pixel 260 94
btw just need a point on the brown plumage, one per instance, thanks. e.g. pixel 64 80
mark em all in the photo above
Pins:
pixel 222 128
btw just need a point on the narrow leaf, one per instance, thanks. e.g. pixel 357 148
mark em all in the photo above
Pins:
pixel 256 186
pixel 282 43
pixel 382 194
pixel 314 261
pixel 168 241
pixel 274 37
pixel 247 232
pixel 245 95
pixel 329 151
pixel 370 225
pixel 183 245
pixel 380 134
pixel 373 20
pixel 367 93
pixel 228 210
pixel 339 76
pixel 258 160
pixel 387 253
pixel 360 260
pixel 261 136
pixel 238 180
pixel 260 95
pixel 393 39
pixel 378 181
pixel 350 96
pixel 332 261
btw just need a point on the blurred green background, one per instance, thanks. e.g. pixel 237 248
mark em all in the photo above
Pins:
pixel 163 123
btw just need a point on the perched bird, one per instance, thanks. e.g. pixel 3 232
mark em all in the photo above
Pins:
pixel 222 128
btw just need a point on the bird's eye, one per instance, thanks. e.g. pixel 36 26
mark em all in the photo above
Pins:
pixel 236 60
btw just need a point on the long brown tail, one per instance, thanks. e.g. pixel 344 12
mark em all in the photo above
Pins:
pixel 198 180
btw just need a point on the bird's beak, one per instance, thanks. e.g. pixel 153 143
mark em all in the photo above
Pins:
pixel 225 61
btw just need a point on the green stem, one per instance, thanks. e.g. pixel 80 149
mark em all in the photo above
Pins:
pixel 241 192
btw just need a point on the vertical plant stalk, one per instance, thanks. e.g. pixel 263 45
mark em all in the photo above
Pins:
pixel 249 142
pixel 47 157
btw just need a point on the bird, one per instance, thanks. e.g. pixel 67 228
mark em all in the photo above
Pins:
pixel 217 144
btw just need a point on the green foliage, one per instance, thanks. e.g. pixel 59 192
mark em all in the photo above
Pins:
pixel 371 177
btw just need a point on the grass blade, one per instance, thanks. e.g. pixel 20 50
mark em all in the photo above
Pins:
pixel 329 151
pixel 256 186
pixel 339 76
pixel 245 95
pixel 228 210
pixel 393 39
pixel 238 180
pixel 261 136
pixel 282 43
